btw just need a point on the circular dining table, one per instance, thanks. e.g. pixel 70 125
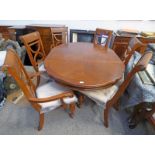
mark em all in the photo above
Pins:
pixel 84 66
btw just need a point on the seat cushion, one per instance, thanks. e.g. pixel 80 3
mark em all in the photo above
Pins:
pixel 52 89
pixel 102 96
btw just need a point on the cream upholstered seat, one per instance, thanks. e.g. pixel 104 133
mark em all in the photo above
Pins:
pixel 52 89
pixel 102 96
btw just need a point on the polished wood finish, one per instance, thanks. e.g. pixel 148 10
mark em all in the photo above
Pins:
pixel 59 36
pixel 83 65
pixel 15 68
pixel 134 45
pixel 141 65
pixel 45 33
pixel 100 32
pixel 121 42
pixel 34 48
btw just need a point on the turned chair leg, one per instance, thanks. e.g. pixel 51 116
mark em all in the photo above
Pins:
pixel 72 110
pixel 41 121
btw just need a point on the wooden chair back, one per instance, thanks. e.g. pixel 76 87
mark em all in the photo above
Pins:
pixel 134 45
pixel 14 67
pixel 59 36
pixel 140 66
pixel 34 47
pixel 102 37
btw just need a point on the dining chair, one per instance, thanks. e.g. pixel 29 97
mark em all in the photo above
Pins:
pixel 109 97
pixel 59 36
pixel 43 98
pixel 35 50
pixel 102 37
pixel 134 45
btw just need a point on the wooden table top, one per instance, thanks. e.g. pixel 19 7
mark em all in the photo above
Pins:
pixel 82 65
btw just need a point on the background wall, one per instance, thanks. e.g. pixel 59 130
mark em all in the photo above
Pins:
pixel 90 24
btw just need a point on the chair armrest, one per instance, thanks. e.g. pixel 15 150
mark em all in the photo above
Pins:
pixel 32 75
pixel 52 98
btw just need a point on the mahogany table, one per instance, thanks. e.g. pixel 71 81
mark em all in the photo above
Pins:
pixel 84 66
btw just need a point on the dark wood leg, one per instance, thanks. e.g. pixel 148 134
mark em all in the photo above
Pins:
pixel 116 105
pixel 81 100
pixel 65 106
pixel 41 121
pixel 38 80
pixel 72 110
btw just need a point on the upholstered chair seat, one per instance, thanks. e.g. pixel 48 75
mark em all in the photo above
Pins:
pixel 52 89
pixel 102 96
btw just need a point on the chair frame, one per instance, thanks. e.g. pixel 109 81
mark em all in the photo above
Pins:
pixel 141 65
pixel 100 31
pixel 15 68
pixel 59 36
pixel 30 40
pixel 133 45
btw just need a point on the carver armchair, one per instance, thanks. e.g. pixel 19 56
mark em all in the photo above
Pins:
pixel 43 98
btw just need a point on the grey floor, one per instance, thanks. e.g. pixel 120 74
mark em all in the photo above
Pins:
pixel 21 119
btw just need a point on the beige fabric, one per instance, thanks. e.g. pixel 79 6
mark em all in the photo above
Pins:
pixel 102 96
pixel 52 89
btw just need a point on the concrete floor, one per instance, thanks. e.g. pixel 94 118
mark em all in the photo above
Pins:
pixel 22 119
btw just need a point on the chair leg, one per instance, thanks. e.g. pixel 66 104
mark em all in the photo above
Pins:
pixel 65 106
pixel 106 113
pixel 81 100
pixel 116 105
pixel 38 80
pixel 41 121
pixel 72 110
